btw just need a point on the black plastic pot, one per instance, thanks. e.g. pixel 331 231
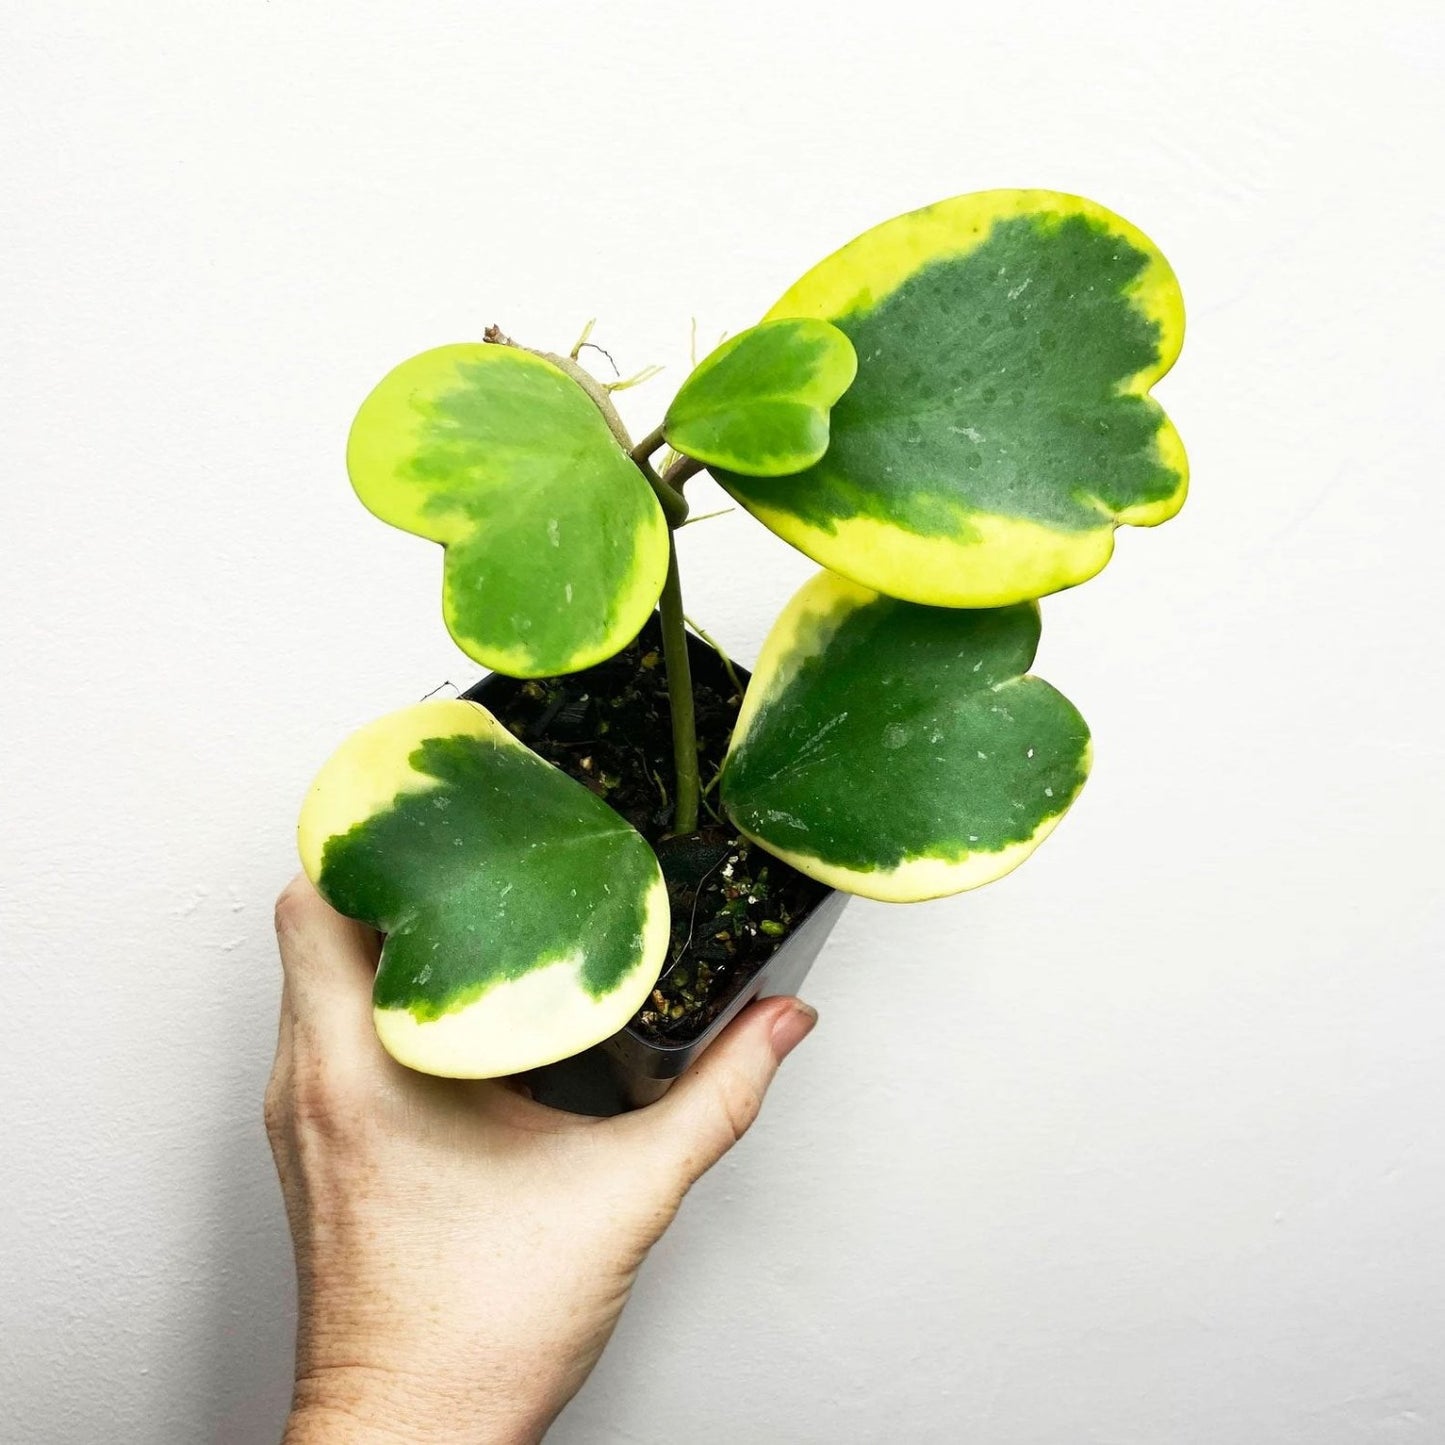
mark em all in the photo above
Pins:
pixel 630 1069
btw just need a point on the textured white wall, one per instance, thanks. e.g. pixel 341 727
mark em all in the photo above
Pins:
pixel 1142 1146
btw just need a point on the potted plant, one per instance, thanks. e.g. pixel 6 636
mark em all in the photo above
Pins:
pixel 611 841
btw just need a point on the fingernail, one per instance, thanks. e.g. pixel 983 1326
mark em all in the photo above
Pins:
pixel 792 1027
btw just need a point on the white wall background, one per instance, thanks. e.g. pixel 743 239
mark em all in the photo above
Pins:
pixel 1142 1146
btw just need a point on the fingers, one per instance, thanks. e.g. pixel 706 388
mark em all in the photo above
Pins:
pixel 713 1105
pixel 329 964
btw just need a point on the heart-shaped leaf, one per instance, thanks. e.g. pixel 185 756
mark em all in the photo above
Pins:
pixel 759 404
pixel 556 548
pixel 899 751
pixel 1000 426
pixel 524 919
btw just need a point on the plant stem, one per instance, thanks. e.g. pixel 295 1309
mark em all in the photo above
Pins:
pixel 674 504
pixel 681 469
pixel 722 657
pixel 674 627
pixel 679 695
pixel 674 641
pixel 648 445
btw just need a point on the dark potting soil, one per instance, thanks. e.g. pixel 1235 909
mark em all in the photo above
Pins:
pixel 610 728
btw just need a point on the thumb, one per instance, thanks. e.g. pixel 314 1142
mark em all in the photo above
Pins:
pixel 714 1103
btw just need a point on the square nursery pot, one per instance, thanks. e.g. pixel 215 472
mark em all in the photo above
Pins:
pixel 632 1069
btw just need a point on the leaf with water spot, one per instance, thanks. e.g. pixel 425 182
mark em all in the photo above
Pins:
pixel 901 751
pixel 1000 426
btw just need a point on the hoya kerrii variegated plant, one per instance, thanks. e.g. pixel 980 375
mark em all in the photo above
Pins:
pixel 951 415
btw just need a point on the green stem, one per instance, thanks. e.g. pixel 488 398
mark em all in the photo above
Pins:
pixel 679 695
pixel 648 445
pixel 674 639
pixel 722 656
pixel 674 628
pixel 674 504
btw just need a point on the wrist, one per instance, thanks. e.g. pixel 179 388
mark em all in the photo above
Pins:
pixel 359 1405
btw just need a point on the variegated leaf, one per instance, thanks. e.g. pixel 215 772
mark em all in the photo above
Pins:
pixel 524 919
pixel 556 547
pixel 900 751
pixel 1000 426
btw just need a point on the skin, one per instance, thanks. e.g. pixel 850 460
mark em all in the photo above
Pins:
pixel 462 1252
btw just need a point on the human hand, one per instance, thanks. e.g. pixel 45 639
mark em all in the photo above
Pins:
pixel 462 1252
